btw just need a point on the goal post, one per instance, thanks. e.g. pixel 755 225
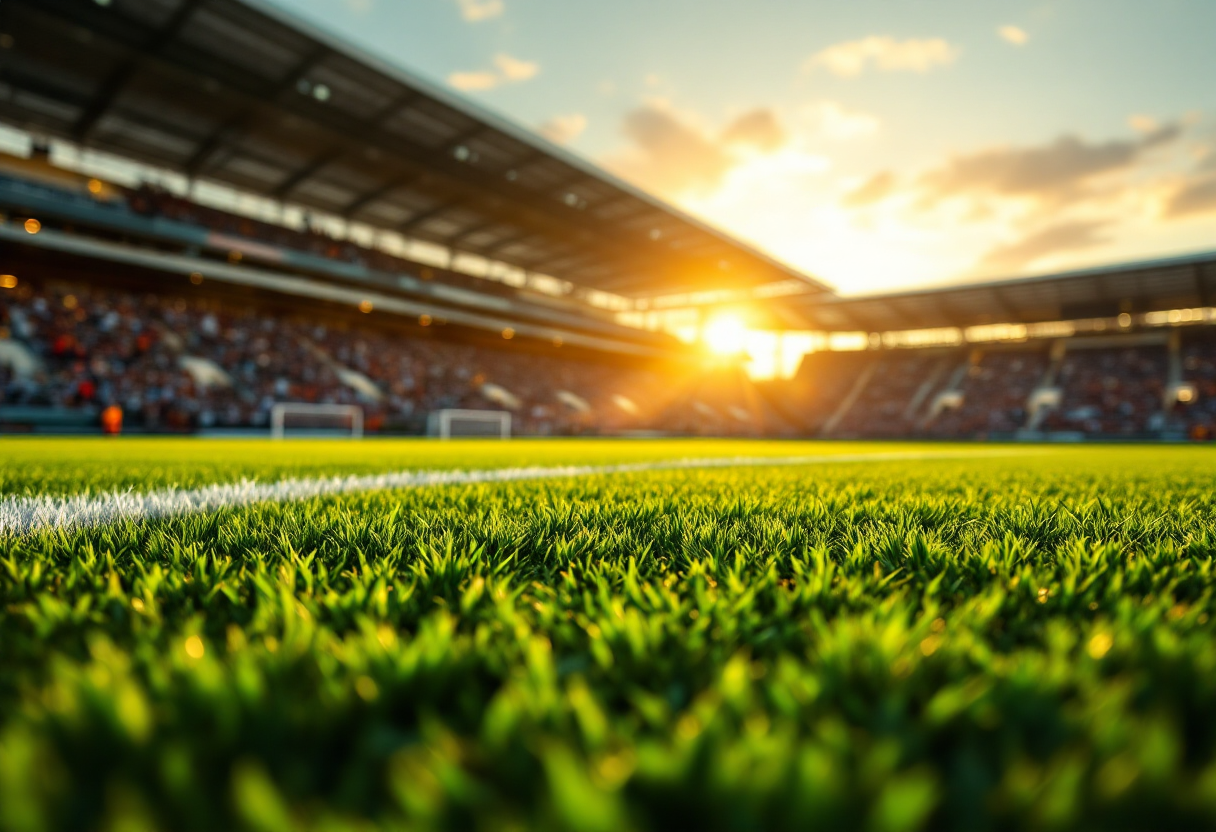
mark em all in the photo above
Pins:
pixel 470 424
pixel 314 417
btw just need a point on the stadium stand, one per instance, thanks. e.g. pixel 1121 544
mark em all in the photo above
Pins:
pixel 1111 391
pixel 175 364
pixel 893 398
pixel 311 281
pixel 1107 387
pixel 994 394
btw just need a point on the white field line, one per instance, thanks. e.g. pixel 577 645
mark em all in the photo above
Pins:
pixel 23 515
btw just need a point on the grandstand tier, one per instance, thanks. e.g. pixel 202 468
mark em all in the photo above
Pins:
pixel 1142 385
pixel 244 94
pixel 284 219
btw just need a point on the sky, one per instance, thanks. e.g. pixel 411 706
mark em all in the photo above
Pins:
pixel 876 144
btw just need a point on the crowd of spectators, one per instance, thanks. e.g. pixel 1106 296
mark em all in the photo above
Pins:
pixel 1103 392
pixel 900 387
pixel 995 392
pixel 1111 391
pixel 1194 415
pixel 178 364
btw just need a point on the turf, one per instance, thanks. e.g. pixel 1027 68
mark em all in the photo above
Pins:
pixel 55 466
pixel 985 643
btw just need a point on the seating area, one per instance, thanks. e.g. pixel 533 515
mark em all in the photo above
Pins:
pixel 180 364
pixel 36 177
pixel 156 202
pixel 1111 392
pixel 1107 390
pixel 902 386
pixel 995 392
pixel 822 382
pixel 1196 418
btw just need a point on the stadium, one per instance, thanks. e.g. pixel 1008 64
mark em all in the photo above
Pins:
pixel 947 566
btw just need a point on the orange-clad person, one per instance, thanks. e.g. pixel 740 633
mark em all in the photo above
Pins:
pixel 111 420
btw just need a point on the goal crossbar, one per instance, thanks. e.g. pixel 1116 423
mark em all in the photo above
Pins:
pixel 281 410
pixel 490 422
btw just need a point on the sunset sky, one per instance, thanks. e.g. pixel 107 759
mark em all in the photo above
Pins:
pixel 877 144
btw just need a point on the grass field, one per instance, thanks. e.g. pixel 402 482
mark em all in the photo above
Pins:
pixel 983 638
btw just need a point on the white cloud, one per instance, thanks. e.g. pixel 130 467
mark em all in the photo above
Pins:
pixel 565 128
pixel 476 11
pixel 1014 34
pixel 834 121
pixel 757 130
pixel 513 69
pixel 474 81
pixel 1144 124
pixel 1060 170
pixel 507 70
pixel 884 53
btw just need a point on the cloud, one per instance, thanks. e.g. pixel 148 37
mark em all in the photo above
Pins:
pixel 884 53
pixel 1144 124
pixel 833 121
pixel 1064 237
pixel 875 189
pixel 474 81
pixel 513 69
pixel 670 156
pixel 1013 34
pixel 476 11
pixel 507 70
pixel 1048 171
pixel 1193 198
pixel 565 128
pixel 758 129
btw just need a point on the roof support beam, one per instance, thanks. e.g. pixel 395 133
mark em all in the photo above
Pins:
pixel 393 107
pixel 233 127
pixel 1007 312
pixel 117 80
pixel 506 242
pixel 299 177
pixel 460 236
pixel 460 138
pixel 418 219
pixel 1201 289
pixel 368 197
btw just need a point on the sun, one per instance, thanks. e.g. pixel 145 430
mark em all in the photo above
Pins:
pixel 724 335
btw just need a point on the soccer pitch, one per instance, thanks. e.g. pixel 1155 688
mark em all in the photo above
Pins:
pixel 673 635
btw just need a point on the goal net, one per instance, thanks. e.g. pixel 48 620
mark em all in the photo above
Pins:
pixel 316 420
pixel 461 424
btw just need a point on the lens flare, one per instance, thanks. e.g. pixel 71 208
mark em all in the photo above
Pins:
pixel 725 335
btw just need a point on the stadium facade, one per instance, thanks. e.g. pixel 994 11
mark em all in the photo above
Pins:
pixel 219 209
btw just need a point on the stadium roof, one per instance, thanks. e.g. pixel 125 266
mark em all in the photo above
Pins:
pixel 1174 283
pixel 237 91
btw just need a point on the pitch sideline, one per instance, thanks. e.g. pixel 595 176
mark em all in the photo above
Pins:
pixel 25 515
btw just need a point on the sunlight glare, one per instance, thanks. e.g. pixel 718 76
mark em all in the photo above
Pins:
pixel 725 335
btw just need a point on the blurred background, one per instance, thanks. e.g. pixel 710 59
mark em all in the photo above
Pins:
pixel 867 219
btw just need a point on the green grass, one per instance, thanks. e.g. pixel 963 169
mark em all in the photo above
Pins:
pixel 56 466
pixel 1018 642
